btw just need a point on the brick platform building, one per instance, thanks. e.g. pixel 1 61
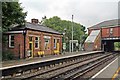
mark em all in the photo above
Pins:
pixel 33 40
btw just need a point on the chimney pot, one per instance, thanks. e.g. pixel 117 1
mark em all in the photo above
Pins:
pixel 35 21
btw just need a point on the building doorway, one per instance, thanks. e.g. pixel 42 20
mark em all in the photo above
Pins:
pixel 30 52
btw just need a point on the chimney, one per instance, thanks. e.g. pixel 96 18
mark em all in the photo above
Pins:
pixel 35 21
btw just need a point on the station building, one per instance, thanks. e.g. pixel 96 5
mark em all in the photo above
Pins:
pixel 33 40
pixel 102 36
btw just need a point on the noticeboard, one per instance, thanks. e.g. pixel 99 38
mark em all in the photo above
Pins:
pixel 64 46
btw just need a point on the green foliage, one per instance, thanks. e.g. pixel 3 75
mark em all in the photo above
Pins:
pixel 117 45
pixel 7 55
pixel 59 25
pixel 12 14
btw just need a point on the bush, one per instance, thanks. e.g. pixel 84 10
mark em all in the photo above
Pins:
pixel 7 55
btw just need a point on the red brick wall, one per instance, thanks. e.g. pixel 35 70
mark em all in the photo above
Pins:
pixel 97 43
pixel 41 35
pixel 116 31
pixel 18 45
pixel 93 46
pixel 106 32
pixel 19 40
pixel 33 34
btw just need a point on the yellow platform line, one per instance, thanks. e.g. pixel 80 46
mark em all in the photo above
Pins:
pixel 116 74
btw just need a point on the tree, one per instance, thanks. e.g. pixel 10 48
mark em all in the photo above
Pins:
pixel 12 14
pixel 59 25
pixel 117 45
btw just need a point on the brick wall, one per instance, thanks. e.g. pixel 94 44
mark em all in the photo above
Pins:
pixel 41 35
pixel 106 32
pixel 18 45
pixel 18 49
pixel 97 43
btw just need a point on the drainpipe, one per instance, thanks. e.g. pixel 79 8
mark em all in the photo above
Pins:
pixel 24 33
pixel 101 41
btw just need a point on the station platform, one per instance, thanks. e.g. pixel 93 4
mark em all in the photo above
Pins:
pixel 109 72
pixel 22 62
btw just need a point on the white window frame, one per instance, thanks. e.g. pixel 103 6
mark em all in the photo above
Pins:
pixel 10 42
pixel 111 30
pixel 46 43
pixel 37 41
pixel 55 44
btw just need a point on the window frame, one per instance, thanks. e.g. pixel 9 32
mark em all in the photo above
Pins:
pixel 46 43
pixel 10 46
pixel 111 30
pixel 55 43
pixel 37 41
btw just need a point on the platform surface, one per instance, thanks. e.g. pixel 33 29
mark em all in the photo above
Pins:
pixel 108 71
pixel 15 63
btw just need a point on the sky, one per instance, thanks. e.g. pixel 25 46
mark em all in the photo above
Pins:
pixel 86 12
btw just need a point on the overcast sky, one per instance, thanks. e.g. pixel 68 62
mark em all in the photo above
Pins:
pixel 86 12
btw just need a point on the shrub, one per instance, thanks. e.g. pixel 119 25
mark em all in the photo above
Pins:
pixel 7 55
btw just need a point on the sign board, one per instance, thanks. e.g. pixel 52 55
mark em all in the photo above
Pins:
pixel 77 44
pixel 74 41
pixel 64 46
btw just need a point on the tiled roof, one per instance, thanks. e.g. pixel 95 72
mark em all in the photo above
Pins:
pixel 109 23
pixel 36 27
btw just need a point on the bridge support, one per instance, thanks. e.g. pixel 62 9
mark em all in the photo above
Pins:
pixel 108 46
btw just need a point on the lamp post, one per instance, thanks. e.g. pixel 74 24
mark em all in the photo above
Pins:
pixel 64 44
pixel 81 41
pixel 72 33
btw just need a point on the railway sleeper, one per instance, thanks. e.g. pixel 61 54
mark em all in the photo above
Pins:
pixel 91 67
pixel 85 63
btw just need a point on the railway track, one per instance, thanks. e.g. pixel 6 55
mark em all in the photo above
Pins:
pixel 76 70
pixel 51 68
pixel 29 71
pixel 69 69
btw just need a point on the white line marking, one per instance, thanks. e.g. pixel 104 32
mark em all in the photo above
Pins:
pixel 103 69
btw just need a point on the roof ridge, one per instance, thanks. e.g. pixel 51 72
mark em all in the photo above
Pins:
pixel 48 29
pixel 105 23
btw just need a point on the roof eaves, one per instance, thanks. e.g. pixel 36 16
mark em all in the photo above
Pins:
pixel 44 31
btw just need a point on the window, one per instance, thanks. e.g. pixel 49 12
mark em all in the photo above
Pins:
pixel 30 38
pixel 47 44
pixel 55 43
pixel 11 40
pixel 111 30
pixel 36 42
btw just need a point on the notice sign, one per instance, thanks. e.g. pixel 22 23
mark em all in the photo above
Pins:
pixel 64 46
